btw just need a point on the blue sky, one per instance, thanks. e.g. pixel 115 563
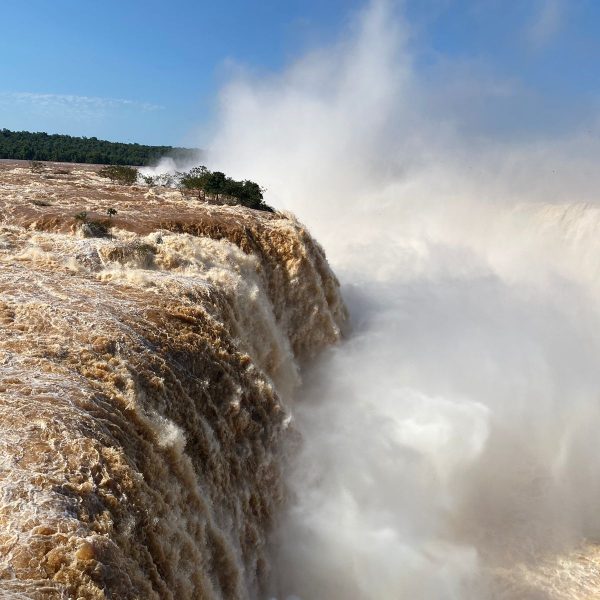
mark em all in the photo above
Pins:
pixel 150 71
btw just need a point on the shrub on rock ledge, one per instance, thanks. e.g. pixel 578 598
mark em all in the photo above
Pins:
pixel 119 174
pixel 218 187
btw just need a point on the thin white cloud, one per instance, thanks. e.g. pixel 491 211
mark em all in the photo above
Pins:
pixel 547 22
pixel 79 106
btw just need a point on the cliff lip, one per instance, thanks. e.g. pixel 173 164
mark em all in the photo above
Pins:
pixel 49 201
pixel 143 379
pixel 302 289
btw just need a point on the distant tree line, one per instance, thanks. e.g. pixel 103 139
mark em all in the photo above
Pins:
pixel 23 145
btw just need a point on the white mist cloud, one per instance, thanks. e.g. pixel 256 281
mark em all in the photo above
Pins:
pixel 453 435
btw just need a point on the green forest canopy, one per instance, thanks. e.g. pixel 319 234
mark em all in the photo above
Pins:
pixel 23 145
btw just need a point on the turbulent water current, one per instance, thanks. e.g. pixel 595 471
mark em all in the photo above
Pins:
pixel 143 380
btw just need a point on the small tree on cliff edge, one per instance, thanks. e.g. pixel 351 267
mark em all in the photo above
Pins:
pixel 247 193
pixel 119 174
pixel 216 184
pixel 195 179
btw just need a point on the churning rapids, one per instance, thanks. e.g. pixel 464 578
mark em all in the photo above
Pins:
pixel 150 411
pixel 155 439
pixel 141 386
